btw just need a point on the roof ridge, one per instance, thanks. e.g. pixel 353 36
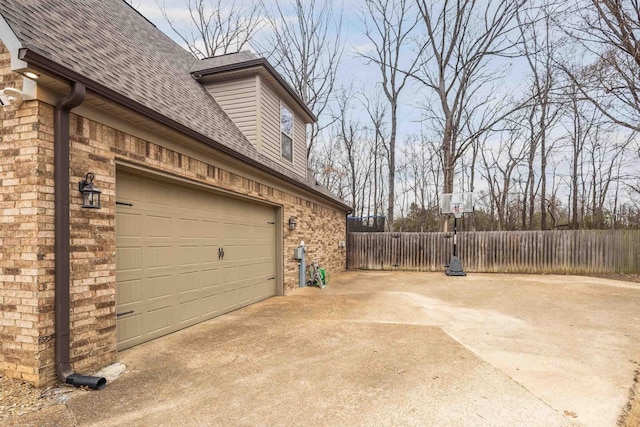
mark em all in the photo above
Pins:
pixel 227 54
pixel 138 12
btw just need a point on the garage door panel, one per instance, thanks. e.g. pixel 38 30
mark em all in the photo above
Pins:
pixel 189 228
pixel 209 229
pixel 188 281
pixel 189 255
pixel 129 258
pixel 129 292
pixel 211 286
pixel 167 244
pixel 210 306
pixel 129 328
pixel 157 256
pixel 157 226
pixel 228 301
pixel 189 308
pixel 256 271
pixel 263 289
pixel 158 287
pixel 257 253
pixel 230 275
pixel 159 321
pixel 129 224
pixel 209 257
pixel 211 290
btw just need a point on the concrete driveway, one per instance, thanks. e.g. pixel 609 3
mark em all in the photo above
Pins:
pixel 378 348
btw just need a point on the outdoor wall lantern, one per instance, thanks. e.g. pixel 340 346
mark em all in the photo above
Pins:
pixel 292 223
pixel 90 194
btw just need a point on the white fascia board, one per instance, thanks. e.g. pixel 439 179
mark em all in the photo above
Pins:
pixel 13 45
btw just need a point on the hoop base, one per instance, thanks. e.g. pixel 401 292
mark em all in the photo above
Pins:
pixel 455 267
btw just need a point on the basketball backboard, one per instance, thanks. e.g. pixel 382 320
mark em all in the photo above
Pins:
pixel 456 203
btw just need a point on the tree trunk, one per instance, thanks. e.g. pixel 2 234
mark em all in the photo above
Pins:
pixel 392 165
pixel 543 182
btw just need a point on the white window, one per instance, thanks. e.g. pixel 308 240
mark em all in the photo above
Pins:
pixel 286 133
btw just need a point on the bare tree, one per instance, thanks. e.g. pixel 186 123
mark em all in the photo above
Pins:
pixel 388 26
pixel 606 161
pixel 633 184
pixel 581 121
pixel 348 132
pixel 350 162
pixel 215 27
pixel 376 112
pixel 499 169
pixel 422 166
pixel 326 166
pixel 306 46
pixel 539 48
pixel 610 31
pixel 462 37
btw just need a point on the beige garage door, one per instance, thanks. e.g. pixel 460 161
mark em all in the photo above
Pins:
pixel 185 255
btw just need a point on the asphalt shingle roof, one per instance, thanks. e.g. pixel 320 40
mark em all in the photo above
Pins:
pixel 110 43
pixel 223 60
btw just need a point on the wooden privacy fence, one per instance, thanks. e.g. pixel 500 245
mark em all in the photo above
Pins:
pixel 565 251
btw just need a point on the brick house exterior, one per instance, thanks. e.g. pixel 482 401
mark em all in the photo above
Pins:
pixel 105 143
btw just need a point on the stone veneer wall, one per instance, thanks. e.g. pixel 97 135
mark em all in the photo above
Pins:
pixel 27 247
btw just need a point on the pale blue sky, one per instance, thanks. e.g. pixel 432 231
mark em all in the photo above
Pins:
pixel 353 70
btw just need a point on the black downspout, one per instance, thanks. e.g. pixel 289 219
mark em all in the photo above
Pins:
pixel 62 249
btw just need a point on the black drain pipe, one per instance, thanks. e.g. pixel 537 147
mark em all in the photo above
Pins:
pixel 62 249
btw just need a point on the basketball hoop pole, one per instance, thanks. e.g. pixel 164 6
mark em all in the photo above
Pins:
pixel 455 236
pixel 457 204
pixel 455 265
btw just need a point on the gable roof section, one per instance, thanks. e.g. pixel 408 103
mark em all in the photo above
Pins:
pixel 244 60
pixel 124 57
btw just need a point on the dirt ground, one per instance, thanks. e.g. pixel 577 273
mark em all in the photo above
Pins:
pixel 620 276
pixel 631 416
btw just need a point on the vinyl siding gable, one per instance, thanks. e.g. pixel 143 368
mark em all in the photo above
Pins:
pixel 238 98
pixel 270 132
pixel 254 106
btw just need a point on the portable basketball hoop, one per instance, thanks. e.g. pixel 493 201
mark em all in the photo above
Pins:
pixel 457 204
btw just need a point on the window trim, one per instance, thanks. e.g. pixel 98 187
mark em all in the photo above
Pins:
pixel 283 133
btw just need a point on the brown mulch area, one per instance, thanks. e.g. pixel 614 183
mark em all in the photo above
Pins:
pixel 19 398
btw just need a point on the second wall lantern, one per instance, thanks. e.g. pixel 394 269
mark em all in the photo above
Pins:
pixel 90 193
pixel 292 223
